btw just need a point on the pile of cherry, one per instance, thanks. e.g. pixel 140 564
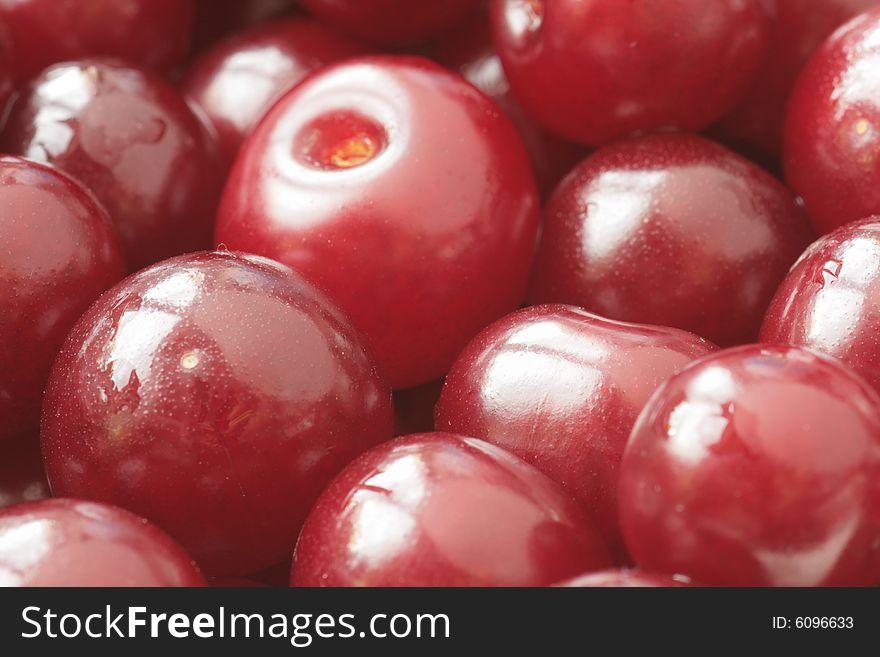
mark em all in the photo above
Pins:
pixel 560 248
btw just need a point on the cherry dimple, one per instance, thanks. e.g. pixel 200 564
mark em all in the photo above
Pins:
pixel 340 140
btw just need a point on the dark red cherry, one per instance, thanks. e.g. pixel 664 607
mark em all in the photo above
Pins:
pixel 234 83
pixel 414 408
pixel 469 51
pixel 217 19
pixel 436 509
pixel 151 33
pixel 130 138
pixel 830 300
pixel 215 394
pixel 831 149
pixel 64 542
pixel 622 578
pixel 799 29
pixel 670 229
pixel 402 191
pixel 58 252
pixel 392 22
pixel 594 71
pixel 757 466
pixel 22 477
pixel 561 389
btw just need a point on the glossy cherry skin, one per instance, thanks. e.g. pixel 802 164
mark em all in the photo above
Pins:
pixel 561 389
pixel 831 149
pixel 395 186
pixel 22 477
pixel 593 71
pixel 670 229
pixel 469 51
pixel 830 300
pixel 799 29
pixel 215 394
pixel 151 33
pixel 624 578
pixel 757 466
pixel 392 22
pixel 64 542
pixel 234 83
pixel 436 509
pixel 58 252
pixel 130 138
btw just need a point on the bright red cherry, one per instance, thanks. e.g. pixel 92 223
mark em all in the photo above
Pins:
pixel 830 301
pixel 130 138
pixel 561 389
pixel 402 191
pixel 234 83
pixel 831 150
pixel 22 477
pixel 470 52
pixel 670 229
pixel 437 509
pixel 622 578
pixel 73 543
pixel 414 408
pixel 151 33
pixel 58 252
pixel 799 29
pixel 594 71
pixel 215 394
pixel 392 22
pixel 757 466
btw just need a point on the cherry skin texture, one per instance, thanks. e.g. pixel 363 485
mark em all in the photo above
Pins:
pixel 392 22
pixel 561 389
pixel 130 138
pixel 831 149
pixel 673 230
pixel 469 51
pixel 215 394
pixel 237 81
pixel 799 29
pixel 151 33
pixel 22 478
pixel 59 253
pixel 395 186
pixel 593 71
pixel 435 509
pixel 622 578
pixel 757 466
pixel 64 542
pixel 830 300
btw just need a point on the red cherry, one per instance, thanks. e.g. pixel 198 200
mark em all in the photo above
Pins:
pixel 73 543
pixel 593 70
pixel 670 229
pixel 216 19
pixel 757 466
pixel 414 408
pixel 129 137
pixel 830 301
pixel 437 509
pixel 799 29
pixel 561 389
pixel 151 33
pixel 831 150
pixel 22 478
pixel 59 252
pixel 392 22
pixel 402 191
pixel 470 52
pixel 215 394
pixel 237 81
pixel 624 579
